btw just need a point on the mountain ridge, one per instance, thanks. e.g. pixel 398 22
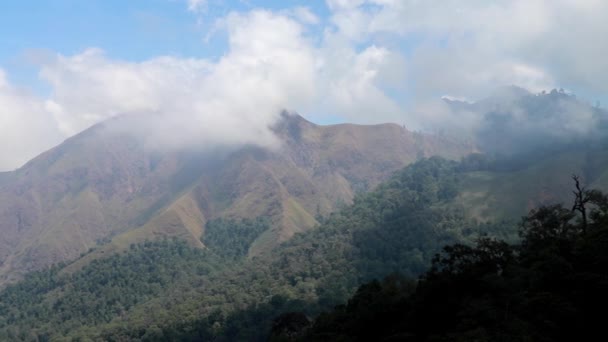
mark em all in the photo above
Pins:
pixel 105 187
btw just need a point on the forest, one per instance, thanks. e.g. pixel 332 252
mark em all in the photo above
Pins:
pixel 429 273
pixel 549 287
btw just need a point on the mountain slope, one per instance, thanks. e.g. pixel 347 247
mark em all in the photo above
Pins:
pixel 105 187
pixel 210 294
pixel 252 269
pixel 398 227
pixel 496 194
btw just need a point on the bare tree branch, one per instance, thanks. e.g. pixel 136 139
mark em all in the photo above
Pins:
pixel 581 197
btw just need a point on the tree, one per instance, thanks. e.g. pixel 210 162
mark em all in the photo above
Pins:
pixel 581 197
pixel 289 326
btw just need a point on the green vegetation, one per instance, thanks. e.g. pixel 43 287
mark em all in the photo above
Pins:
pixel 47 304
pixel 231 238
pixel 166 290
pixel 550 287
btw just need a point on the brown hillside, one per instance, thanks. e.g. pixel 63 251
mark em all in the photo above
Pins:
pixel 106 190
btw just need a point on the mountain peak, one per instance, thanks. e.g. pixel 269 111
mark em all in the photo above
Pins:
pixel 294 117
pixel 291 124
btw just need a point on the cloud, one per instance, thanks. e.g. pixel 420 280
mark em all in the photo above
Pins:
pixel 25 128
pixel 538 125
pixel 369 61
pixel 304 15
pixel 269 66
pixel 468 49
pixel 532 43
pixel 352 83
pixel 196 5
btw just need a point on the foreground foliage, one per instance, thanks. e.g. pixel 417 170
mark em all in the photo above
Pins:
pixel 550 287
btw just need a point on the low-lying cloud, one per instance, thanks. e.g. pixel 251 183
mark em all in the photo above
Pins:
pixel 25 127
pixel 271 64
pixel 230 101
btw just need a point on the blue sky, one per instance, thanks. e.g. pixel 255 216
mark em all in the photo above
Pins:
pixel 224 69
pixel 132 30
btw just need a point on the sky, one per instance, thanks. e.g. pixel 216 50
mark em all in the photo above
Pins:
pixel 219 72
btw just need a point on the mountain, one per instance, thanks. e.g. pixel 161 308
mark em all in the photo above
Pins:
pixel 244 251
pixel 166 290
pixel 493 193
pixel 532 144
pixel 104 189
pixel 517 126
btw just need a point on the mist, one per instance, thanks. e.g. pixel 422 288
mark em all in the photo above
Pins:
pixel 519 127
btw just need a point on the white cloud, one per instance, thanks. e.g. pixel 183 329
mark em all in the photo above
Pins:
pixel 468 48
pixel 269 67
pixel 271 64
pixel 370 61
pixel 543 42
pixel 196 5
pixel 89 87
pixel 352 83
pixel 25 128
pixel 304 15
pixel 336 5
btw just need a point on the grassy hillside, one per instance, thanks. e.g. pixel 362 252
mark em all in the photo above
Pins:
pixel 247 234
pixel 494 194
pixel 104 189
pixel 396 228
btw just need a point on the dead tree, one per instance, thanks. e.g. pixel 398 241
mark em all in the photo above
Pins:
pixel 581 197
